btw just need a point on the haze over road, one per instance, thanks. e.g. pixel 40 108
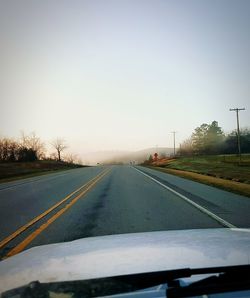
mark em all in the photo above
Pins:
pixel 108 200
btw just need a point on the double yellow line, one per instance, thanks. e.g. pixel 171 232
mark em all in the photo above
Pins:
pixel 83 190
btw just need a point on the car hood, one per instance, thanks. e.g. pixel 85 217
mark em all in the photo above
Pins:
pixel 114 255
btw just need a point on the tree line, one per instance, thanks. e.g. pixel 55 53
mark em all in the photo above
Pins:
pixel 210 139
pixel 29 147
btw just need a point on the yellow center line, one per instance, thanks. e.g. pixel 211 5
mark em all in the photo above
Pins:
pixel 36 219
pixel 33 235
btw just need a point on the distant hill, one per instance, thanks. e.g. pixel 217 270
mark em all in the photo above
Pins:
pixel 117 157
pixel 93 158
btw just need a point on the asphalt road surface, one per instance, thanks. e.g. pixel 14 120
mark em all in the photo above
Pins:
pixel 108 200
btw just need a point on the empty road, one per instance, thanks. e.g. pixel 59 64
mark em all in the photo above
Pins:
pixel 108 200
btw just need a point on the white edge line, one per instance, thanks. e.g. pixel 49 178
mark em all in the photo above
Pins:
pixel 202 209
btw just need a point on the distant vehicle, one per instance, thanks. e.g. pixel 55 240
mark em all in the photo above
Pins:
pixel 154 264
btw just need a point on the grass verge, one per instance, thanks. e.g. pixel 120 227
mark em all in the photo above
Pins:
pixel 19 170
pixel 220 171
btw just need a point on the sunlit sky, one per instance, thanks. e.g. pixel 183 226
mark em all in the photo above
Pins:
pixel 122 74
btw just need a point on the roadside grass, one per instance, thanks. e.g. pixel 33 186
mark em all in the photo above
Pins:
pixel 221 171
pixel 19 170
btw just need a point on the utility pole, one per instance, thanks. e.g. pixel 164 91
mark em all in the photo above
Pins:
pixel 174 132
pixel 238 129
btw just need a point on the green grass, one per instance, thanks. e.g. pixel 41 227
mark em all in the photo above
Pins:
pixel 18 170
pixel 222 171
pixel 220 166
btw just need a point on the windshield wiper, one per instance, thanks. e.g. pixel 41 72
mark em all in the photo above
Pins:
pixel 224 279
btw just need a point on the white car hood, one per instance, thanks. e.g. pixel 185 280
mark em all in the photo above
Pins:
pixel 114 255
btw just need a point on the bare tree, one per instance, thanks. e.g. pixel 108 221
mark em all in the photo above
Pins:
pixel 71 158
pixel 8 150
pixel 186 148
pixel 32 141
pixel 52 156
pixel 79 161
pixel 60 145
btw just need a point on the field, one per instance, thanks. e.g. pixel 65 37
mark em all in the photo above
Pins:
pixel 219 170
pixel 17 170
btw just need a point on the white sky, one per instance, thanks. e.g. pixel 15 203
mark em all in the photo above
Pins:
pixel 122 74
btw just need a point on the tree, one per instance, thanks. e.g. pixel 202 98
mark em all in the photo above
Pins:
pixel 71 158
pixel 208 139
pixel 198 138
pixel 231 142
pixel 215 138
pixel 60 145
pixel 245 140
pixel 186 148
pixel 13 150
pixel 32 141
pixel 149 160
pixel 27 154
pixel 53 156
pixel 79 161
pixel 8 150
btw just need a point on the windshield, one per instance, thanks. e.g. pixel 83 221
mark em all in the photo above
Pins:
pixel 125 117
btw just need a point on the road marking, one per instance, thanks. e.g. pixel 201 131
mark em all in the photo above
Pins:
pixel 202 209
pixel 33 235
pixel 36 219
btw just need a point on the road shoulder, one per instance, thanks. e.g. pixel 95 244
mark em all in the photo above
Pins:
pixel 232 186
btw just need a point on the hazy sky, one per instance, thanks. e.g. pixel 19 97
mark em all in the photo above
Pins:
pixel 122 74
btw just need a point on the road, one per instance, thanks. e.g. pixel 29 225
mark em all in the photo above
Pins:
pixel 108 200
